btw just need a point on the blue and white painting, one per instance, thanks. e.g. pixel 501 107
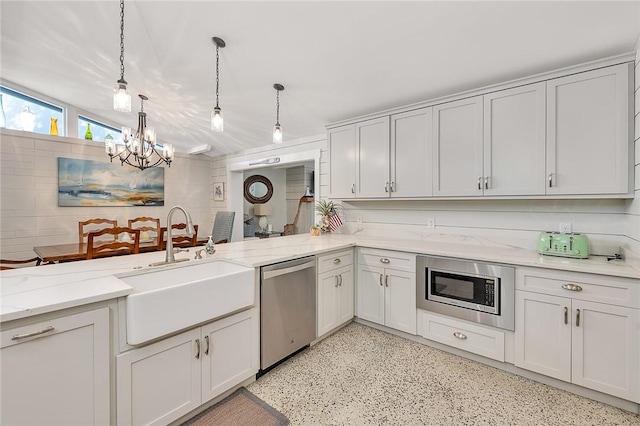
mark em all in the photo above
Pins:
pixel 86 183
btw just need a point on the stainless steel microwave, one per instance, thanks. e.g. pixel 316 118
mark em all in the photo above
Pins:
pixel 473 291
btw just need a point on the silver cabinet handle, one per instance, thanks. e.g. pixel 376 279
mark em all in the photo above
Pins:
pixel 384 260
pixel 566 315
pixel 486 182
pixel 386 187
pixel 391 187
pixel 459 335
pixel 197 348
pixel 572 287
pixel 386 280
pixel 336 261
pixel 340 280
pixel 353 188
pixel 336 282
pixel 550 180
pixel 206 340
pixel 577 317
pixel 479 184
pixel 381 280
pixel 34 333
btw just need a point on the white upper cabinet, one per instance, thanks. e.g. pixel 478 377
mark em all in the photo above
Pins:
pixel 588 132
pixel 457 148
pixel 342 161
pixel 372 151
pixel 514 141
pixel 411 154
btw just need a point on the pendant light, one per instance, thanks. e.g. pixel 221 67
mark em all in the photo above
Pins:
pixel 277 129
pixel 121 98
pixel 217 122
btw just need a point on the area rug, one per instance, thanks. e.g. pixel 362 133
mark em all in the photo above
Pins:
pixel 239 409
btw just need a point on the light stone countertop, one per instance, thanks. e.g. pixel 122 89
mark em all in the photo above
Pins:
pixel 31 291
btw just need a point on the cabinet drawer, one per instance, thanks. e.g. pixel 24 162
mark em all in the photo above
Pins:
pixel 469 337
pixel 594 288
pixel 329 262
pixel 388 259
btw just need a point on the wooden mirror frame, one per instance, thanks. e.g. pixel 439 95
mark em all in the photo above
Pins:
pixel 257 179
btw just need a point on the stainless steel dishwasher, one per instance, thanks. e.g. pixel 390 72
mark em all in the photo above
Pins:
pixel 287 309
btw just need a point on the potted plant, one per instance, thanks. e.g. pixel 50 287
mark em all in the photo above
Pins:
pixel 324 209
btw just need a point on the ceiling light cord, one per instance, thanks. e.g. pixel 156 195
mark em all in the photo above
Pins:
pixel 122 80
pixel 217 120
pixel 121 98
pixel 277 107
pixel 277 129
pixel 217 75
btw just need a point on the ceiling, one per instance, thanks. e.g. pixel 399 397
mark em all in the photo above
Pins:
pixel 336 59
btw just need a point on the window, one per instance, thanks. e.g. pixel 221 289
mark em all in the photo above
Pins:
pixel 99 131
pixel 14 103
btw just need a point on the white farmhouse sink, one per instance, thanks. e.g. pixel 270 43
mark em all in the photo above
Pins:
pixel 168 300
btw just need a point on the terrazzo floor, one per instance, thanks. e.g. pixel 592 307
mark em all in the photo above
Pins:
pixel 364 376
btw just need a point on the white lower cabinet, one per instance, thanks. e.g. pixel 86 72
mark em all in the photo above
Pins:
pixel 588 343
pixel 56 372
pixel 335 290
pixel 387 296
pixel 161 382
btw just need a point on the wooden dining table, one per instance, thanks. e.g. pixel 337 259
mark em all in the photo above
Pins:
pixel 76 251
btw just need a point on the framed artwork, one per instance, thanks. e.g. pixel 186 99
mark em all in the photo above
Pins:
pixel 218 191
pixel 87 183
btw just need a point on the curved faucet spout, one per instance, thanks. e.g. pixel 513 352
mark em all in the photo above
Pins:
pixel 170 258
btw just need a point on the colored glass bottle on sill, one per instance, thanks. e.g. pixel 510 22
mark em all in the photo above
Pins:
pixel 88 135
pixel 53 130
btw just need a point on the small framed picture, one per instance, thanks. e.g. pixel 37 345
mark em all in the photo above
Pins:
pixel 218 191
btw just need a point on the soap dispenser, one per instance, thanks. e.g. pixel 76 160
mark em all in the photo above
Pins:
pixel 210 248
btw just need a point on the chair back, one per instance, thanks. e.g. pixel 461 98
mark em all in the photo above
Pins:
pixel 222 227
pixel 92 225
pixel 12 264
pixel 180 239
pixel 125 241
pixel 150 225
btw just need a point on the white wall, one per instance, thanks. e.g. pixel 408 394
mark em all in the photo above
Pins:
pixel 29 212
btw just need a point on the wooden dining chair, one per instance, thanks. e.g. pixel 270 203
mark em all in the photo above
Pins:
pixel 181 239
pixel 125 241
pixel 12 264
pixel 150 225
pixel 92 225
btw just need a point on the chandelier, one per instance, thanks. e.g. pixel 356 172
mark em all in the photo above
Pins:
pixel 121 98
pixel 139 148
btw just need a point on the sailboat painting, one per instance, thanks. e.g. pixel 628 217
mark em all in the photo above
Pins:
pixel 87 183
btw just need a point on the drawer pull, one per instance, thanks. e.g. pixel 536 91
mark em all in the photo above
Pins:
pixel 459 335
pixel 384 260
pixel 35 333
pixel 386 280
pixel 340 283
pixel 572 287
pixel 336 261
pixel 197 348
pixel 577 317
pixel 566 315
pixel 337 281
pixel 206 340
pixel 381 280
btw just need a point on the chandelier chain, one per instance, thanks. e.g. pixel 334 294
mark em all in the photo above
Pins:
pixel 121 39
pixel 277 107
pixel 217 74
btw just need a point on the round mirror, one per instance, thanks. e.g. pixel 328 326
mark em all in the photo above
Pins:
pixel 257 189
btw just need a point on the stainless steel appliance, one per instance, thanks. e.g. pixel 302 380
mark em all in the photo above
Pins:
pixel 473 291
pixel 287 309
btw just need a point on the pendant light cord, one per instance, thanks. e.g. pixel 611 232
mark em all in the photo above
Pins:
pixel 122 41
pixel 217 74
pixel 277 107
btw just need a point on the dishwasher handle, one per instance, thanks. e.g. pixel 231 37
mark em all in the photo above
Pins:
pixel 277 272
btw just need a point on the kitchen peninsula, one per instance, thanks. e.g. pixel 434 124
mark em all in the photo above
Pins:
pixel 40 294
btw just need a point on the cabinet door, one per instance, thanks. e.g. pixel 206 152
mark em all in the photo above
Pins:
pixel 59 376
pixel 158 383
pixel 606 356
pixel 371 293
pixel 457 144
pixel 542 336
pixel 345 296
pixel 327 302
pixel 230 352
pixel 341 145
pixel 588 133
pixel 411 154
pixel 514 141
pixel 372 170
pixel 400 300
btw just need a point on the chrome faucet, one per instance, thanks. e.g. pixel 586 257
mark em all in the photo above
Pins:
pixel 190 230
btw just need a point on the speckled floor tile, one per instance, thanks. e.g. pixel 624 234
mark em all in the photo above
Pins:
pixel 364 376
